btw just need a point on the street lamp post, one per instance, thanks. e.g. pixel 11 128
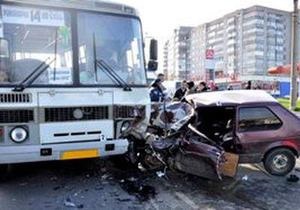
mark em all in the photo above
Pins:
pixel 294 45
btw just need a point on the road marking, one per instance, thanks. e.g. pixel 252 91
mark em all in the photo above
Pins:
pixel 187 200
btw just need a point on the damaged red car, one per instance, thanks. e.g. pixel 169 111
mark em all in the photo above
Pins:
pixel 252 124
pixel 209 134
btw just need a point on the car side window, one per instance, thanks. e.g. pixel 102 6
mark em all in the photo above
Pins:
pixel 257 119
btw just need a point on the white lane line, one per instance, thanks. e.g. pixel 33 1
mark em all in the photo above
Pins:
pixel 187 200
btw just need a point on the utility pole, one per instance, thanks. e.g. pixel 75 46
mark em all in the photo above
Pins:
pixel 294 53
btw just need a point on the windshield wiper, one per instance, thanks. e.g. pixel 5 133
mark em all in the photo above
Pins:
pixel 107 69
pixel 33 75
pixel 112 74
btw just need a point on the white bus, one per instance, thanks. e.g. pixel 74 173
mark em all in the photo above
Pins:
pixel 72 74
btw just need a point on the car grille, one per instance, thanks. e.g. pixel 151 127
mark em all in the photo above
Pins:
pixel 16 116
pixel 67 114
pixel 126 111
pixel 15 98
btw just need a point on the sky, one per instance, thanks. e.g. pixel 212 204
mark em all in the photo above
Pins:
pixel 160 17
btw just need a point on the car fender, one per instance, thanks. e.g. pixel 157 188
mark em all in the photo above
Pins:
pixel 287 143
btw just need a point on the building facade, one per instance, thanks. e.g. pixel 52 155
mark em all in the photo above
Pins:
pixel 166 61
pixel 266 38
pixel 245 43
pixel 198 49
pixel 177 54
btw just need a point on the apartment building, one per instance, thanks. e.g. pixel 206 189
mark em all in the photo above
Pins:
pixel 177 54
pixel 245 43
pixel 197 54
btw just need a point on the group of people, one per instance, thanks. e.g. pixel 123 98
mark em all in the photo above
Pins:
pixel 186 87
pixel 189 87
pixel 157 89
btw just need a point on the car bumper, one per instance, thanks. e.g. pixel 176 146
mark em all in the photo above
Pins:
pixel 66 151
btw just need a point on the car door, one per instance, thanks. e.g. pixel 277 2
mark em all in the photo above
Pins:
pixel 256 128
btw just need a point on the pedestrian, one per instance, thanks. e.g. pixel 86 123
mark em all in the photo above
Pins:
pixel 161 77
pixel 248 86
pixel 211 85
pixel 156 94
pixel 229 87
pixel 191 88
pixel 202 87
pixel 180 92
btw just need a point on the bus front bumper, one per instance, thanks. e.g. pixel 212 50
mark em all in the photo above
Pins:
pixel 65 151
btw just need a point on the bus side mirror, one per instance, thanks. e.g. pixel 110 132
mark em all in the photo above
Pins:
pixel 153 49
pixel 153 64
pixel 4 51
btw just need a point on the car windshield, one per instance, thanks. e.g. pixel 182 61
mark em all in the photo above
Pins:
pixel 29 37
pixel 117 41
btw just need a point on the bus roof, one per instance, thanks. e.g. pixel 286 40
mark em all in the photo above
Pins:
pixel 92 5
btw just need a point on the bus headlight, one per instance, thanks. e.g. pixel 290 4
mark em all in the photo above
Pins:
pixel 18 134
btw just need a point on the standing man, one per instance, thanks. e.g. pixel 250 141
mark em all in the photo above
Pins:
pixel 180 93
pixel 202 87
pixel 161 78
pixel 249 85
pixel 156 95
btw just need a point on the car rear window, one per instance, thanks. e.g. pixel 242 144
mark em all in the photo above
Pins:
pixel 257 119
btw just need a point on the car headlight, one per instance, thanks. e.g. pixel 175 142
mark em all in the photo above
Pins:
pixel 18 134
pixel 125 126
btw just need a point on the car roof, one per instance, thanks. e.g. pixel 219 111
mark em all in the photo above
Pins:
pixel 231 97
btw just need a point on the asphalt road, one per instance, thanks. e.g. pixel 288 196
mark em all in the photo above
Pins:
pixel 94 184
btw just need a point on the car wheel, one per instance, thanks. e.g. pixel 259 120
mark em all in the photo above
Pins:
pixel 280 162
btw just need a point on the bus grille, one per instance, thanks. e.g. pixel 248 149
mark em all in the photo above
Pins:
pixel 67 114
pixel 126 111
pixel 16 116
pixel 15 98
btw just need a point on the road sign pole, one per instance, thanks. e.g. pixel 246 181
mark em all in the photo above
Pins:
pixel 294 45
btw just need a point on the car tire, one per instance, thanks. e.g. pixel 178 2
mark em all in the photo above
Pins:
pixel 279 162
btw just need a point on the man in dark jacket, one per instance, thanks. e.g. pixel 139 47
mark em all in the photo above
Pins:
pixel 248 86
pixel 156 93
pixel 180 93
pixel 202 87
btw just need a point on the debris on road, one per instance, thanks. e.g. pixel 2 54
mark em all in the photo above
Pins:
pixel 23 184
pixel 245 178
pixel 124 199
pixel 160 174
pixel 56 188
pixel 293 178
pixel 136 188
pixel 105 176
pixel 68 203
pixel 53 178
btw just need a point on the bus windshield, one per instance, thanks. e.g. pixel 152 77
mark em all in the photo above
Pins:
pixel 115 40
pixel 34 36
pixel 40 36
